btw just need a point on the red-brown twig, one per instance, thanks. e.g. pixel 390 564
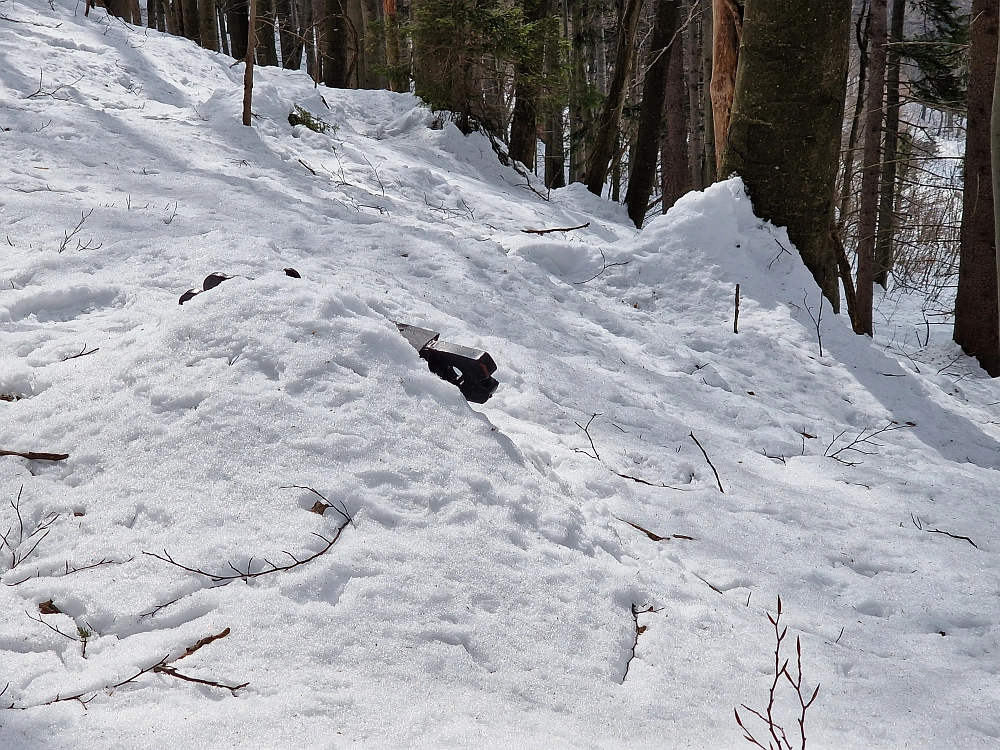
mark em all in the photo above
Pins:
pixel 557 229
pixel 709 462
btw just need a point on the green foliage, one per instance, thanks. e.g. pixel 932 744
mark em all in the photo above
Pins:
pixel 940 55
pixel 463 49
pixel 300 116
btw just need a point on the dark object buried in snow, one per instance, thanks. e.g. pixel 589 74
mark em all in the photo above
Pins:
pixel 211 281
pixel 469 369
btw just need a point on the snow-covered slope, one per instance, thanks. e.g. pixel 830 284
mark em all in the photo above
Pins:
pixel 496 585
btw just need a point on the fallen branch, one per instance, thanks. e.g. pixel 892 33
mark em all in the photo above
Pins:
pixel 315 173
pixel 860 442
pixel 557 229
pixel 249 573
pixel 70 571
pixel 652 535
pixel 736 317
pixel 33 456
pixel 709 462
pixel 32 538
pixel 919 524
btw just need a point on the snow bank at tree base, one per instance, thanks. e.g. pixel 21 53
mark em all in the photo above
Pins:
pixel 483 594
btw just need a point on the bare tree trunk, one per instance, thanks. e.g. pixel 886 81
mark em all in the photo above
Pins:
pixel 674 150
pixel 189 12
pixel 871 168
pixel 223 31
pixel 654 89
pixel 847 190
pixel 248 70
pixel 581 111
pixel 527 74
pixel 267 53
pixel 977 329
pixel 709 166
pixel 336 59
pixel 287 36
pixel 237 20
pixel 208 25
pixel 727 28
pixel 692 59
pixel 887 191
pixel 599 159
pixel 555 151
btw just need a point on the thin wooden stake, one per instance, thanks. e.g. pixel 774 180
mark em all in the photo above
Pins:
pixel 736 318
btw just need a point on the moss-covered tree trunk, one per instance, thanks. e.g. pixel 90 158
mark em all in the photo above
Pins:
pixel 976 309
pixel 654 90
pixel 784 133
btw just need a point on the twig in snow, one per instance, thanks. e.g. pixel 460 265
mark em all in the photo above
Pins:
pixel 249 573
pixel 736 317
pixel 70 571
pixel 653 536
pixel 780 252
pixel 83 353
pixel 557 229
pixel 861 441
pixel 40 92
pixel 35 456
pixel 919 524
pixel 605 266
pixel 639 630
pixel 816 319
pixel 322 504
pixel 377 178
pixel 32 539
pixel 709 462
pixel 314 172
pixel 586 429
pixel 778 739
pixel 67 236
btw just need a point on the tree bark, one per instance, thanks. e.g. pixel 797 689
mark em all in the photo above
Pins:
pixel 336 57
pixel 977 329
pixel 600 156
pixel 267 53
pixel 189 12
pixel 654 89
pixel 248 70
pixel 863 32
pixel 527 75
pixel 710 165
pixel 871 167
pixel 674 149
pixel 696 133
pixel 239 27
pixel 727 27
pixel 208 25
pixel 788 109
pixel 887 189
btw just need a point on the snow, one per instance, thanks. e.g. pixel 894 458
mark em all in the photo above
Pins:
pixel 483 592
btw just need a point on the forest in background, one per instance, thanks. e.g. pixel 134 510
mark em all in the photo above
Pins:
pixel 633 98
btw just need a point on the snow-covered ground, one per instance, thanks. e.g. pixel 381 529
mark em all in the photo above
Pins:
pixel 506 579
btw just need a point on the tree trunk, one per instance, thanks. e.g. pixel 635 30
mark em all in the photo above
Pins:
pixel 784 132
pixel 267 53
pixel 239 27
pixel 654 88
pixel 336 57
pixel 711 163
pixel 287 36
pixel 527 75
pixel 977 329
pixel 847 182
pixel 208 25
pixel 871 168
pixel 674 149
pixel 248 69
pixel 727 27
pixel 189 12
pixel 392 45
pixel 582 90
pixel 692 58
pixel 887 189
pixel 599 159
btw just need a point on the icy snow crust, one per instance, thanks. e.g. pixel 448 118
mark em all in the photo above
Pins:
pixel 483 595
